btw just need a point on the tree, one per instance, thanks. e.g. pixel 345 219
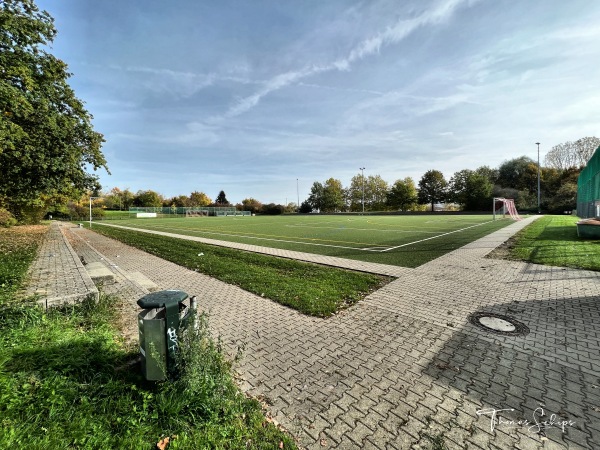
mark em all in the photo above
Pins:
pixel 291 208
pixel 432 187
pixel 252 205
pixel 118 199
pixel 272 209
pixel 315 199
pixel 178 201
pixel 148 199
pixel 489 173
pixel 46 137
pixel 402 195
pixel 572 154
pixel 472 190
pixel 305 207
pixel 565 199
pixel 519 173
pixel 376 192
pixel 200 199
pixel 112 199
pixel 561 156
pixel 333 195
pixel 222 199
pixel 585 148
pixel 354 193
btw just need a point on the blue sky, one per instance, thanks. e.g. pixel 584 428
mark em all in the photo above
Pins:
pixel 250 96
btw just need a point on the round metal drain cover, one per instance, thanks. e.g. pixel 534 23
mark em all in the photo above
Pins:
pixel 499 324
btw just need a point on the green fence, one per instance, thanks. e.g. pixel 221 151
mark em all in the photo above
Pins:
pixel 588 188
pixel 184 210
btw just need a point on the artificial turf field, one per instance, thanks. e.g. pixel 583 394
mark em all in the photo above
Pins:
pixel 406 241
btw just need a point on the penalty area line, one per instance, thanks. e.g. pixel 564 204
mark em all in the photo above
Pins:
pixel 435 237
pixel 149 230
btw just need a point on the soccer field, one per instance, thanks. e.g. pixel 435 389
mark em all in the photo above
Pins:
pixel 407 241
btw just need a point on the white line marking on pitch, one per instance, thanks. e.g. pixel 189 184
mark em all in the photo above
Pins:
pixel 434 237
pixel 361 229
pixel 244 236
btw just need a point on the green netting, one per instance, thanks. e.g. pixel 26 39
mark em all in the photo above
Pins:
pixel 588 187
pixel 181 210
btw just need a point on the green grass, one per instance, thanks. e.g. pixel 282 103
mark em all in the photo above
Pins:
pixel 407 241
pixel 114 215
pixel 66 382
pixel 18 247
pixel 309 288
pixel 553 240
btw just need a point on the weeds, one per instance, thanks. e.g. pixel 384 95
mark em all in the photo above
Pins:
pixel 62 385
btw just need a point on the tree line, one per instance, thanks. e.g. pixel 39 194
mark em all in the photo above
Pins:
pixel 467 190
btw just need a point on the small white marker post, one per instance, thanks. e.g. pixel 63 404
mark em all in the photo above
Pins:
pixel 91 198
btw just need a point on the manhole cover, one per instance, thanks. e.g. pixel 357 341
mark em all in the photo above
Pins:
pixel 499 324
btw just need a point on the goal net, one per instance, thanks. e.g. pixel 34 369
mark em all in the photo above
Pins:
pixel 504 206
pixel 196 213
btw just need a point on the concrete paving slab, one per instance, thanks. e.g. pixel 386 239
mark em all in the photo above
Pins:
pixel 99 273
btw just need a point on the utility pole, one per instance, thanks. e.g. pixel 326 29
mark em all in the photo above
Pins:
pixel 538 146
pixel 298 194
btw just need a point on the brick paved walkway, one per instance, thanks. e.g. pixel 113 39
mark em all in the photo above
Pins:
pixel 57 275
pixel 404 368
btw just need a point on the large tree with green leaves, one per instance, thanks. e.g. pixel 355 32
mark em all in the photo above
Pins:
pixel 519 173
pixel 333 195
pixel 402 195
pixel 199 199
pixel 315 199
pixel 47 143
pixel 148 199
pixel 432 187
pixel 471 189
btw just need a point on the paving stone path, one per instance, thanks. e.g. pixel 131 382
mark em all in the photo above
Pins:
pixel 57 275
pixel 405 368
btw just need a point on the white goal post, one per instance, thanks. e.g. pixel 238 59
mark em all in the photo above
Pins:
pixel 502 206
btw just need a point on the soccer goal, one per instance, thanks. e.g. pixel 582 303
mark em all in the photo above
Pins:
pixel 196 213
pixel 503 206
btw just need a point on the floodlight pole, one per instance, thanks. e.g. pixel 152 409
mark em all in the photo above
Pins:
pixel 91 198
pixel 298 194
pixel 538 174
pixel 363 188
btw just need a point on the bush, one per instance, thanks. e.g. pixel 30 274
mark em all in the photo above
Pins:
pixel 305 208
pixel 6 218
pixel 272 209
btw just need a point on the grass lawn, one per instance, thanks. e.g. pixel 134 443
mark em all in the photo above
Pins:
pixel 310 288
pixel 65 381
pixel 553 240
pixel 406 241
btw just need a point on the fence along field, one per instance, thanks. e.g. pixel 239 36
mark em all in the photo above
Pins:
pixel 406 241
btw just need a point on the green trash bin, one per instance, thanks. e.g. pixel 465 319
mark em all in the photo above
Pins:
pixel 164 317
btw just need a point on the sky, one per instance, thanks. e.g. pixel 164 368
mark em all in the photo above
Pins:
pixel 262 98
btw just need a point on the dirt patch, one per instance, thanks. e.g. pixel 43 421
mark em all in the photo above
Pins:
pixel 504 250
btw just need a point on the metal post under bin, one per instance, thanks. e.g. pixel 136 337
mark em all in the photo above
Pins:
pixel 164 318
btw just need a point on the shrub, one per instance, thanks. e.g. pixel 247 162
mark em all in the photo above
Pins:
pixel 272 209
pixel 6 218
pixel 305 208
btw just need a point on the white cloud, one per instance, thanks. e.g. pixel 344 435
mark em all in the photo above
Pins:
pixel 370 46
